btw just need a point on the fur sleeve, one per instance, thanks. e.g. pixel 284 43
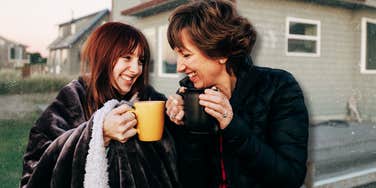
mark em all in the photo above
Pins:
pixel 63 114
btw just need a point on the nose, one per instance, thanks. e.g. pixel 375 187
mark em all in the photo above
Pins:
pixel 180 67
pixel 133 67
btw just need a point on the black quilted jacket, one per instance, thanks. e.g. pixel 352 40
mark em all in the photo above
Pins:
pixel 265 145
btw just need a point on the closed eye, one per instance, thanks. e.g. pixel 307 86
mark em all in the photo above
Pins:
pixel 141 61
pixel 127 57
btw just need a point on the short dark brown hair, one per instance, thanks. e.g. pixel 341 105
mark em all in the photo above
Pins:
pixel 214 27
pixel 101 51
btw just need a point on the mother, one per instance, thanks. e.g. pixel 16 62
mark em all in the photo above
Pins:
pixel 261 115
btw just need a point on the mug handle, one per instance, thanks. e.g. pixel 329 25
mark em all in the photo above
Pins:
pixel 133 110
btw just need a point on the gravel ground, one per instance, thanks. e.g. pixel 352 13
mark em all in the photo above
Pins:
pixel 12 106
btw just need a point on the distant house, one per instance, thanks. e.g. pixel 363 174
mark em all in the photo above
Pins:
pixel 64 55
pixel 12 54
pixel 330 47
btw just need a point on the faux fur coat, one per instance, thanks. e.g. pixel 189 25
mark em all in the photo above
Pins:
pixel 66 150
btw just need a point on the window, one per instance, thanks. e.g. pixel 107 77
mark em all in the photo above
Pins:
pixel 302 37
pixel 15 53
pixel 151 36
pixel 73 28
pixel 57 61
pixel 61 32
pixel 167 57
pixel 64 55
pixel 12 53
pixel 368 46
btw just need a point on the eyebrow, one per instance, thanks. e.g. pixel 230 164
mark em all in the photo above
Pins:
pixel 183 48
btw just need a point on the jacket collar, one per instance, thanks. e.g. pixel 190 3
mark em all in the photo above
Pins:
pixel 246 80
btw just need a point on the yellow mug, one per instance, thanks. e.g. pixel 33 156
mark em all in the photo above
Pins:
pixel 150 119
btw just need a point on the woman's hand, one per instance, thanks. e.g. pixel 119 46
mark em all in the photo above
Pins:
pixel 119 125
pixel 174 109
pixel 217 105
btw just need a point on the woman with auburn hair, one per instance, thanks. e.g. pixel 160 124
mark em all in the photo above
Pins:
pixel 86 137
pixel 261 130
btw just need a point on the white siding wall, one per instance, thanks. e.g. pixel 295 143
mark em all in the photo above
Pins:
pixel 328 80
pixel 365 83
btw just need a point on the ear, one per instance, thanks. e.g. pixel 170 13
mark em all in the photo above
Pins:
pixel 222 60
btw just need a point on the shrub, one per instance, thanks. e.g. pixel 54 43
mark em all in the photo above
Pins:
pixel 34 84
pixel 9 74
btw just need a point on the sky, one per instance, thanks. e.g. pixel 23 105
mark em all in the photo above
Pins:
pixel 34 23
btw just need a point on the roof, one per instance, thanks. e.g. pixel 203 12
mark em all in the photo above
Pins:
pixel 11 41
pixel 351 4
pixel 156 6
pixel 68 41
pixel 152 7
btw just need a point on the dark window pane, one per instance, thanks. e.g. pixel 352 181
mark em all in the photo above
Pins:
pixel 169 66
pixel 151 65
pixel 303 29
pixel 12 53
pixel 305 46
pixel 371 47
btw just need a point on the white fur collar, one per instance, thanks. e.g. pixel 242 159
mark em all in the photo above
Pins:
pixel 96 174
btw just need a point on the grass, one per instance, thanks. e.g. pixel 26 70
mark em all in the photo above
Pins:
pixel 17 115
pixel 19 98
pixel 14 136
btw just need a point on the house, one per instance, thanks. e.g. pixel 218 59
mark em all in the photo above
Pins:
pixel 12 54
pixel 329 46
pixel 64 55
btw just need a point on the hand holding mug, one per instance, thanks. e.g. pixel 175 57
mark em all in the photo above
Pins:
pixel 175 109
pixel 217 105
pixel 119 124
pixel 184 109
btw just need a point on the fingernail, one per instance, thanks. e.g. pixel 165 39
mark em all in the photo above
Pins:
pixel 214 88
pixel 175 101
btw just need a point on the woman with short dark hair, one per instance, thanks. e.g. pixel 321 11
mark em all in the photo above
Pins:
pixel 262 121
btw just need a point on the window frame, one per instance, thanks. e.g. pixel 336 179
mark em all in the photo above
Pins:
pixel 17 53
pixel 303 37
pixel 154 56
pixel 160 53
pixel 61 31
pixel 73 28
pixel 363 47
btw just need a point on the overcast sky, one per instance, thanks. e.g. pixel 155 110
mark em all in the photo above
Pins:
pixel 34 22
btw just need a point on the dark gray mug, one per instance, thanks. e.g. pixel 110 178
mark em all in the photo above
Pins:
pixel 195 118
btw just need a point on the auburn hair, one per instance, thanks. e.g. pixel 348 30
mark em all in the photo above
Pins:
pixel 100 53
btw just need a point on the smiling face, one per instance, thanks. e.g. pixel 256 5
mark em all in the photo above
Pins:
pixel 201 70
pixel 126 71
